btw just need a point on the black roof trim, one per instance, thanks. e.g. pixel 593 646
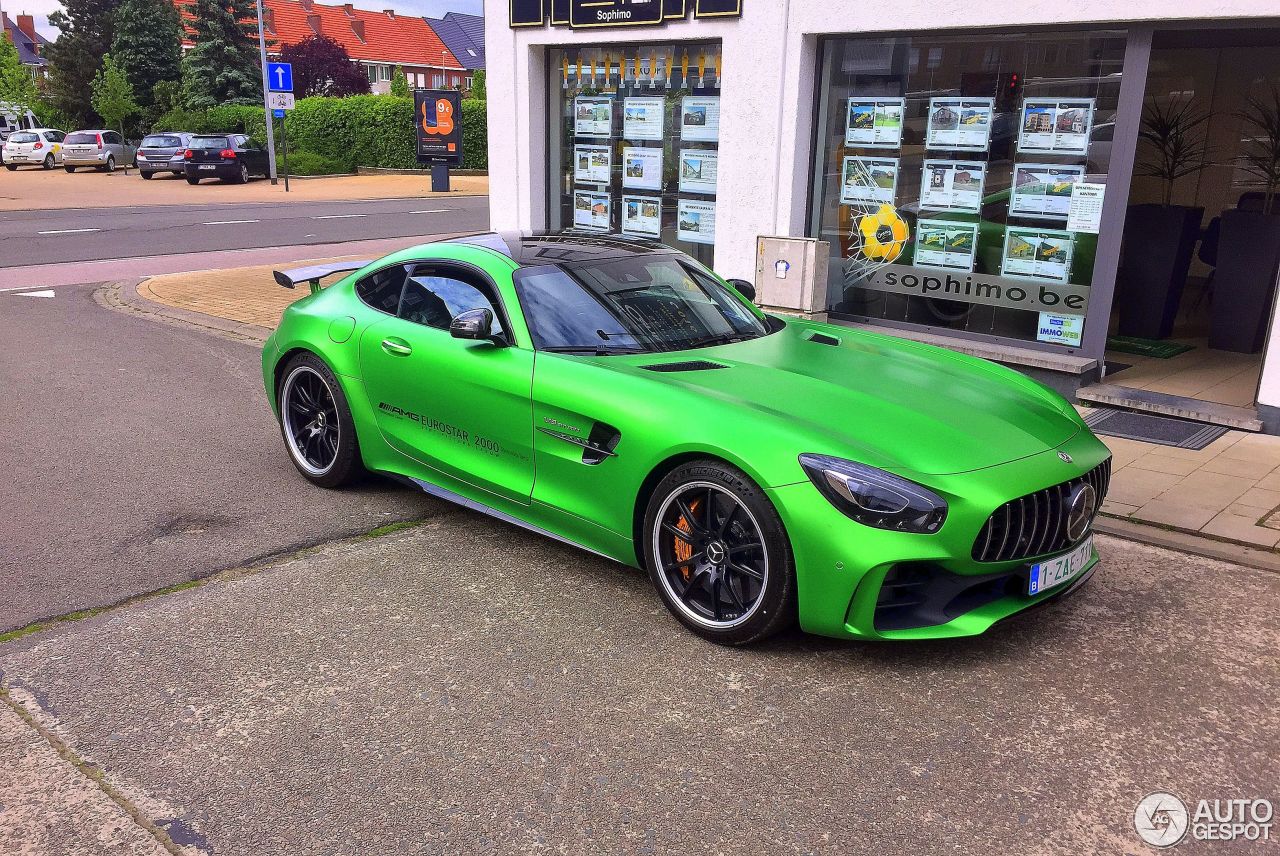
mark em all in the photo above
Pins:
pixel 525 248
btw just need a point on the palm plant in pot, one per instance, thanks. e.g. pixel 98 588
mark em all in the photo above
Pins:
pixel 1159 239
pixel 1249 253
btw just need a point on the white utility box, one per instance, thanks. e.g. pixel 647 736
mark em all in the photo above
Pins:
pixel 791 274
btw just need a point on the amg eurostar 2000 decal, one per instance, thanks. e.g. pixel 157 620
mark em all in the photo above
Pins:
pixel 617 395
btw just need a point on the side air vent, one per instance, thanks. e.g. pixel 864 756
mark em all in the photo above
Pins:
pixel 824 339
pixel 689 366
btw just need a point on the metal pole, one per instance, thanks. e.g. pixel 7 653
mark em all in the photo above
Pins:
pixel 271 136
pixel 284 146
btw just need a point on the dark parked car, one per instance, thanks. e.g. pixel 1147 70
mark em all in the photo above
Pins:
pixel 163 152
pixel 231 157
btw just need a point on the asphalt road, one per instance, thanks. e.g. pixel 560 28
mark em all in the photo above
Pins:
pixel 137 455
pixel 466 687
pixel 80 234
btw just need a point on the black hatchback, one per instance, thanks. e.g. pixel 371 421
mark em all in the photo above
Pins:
pixel 231 157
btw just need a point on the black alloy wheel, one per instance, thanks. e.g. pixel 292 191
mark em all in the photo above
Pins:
pixel 718 554
pixel 316 423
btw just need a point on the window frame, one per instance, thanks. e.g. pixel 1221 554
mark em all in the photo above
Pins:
pixel 469 270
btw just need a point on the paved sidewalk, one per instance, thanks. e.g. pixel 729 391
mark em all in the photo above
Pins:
pixel 1229 491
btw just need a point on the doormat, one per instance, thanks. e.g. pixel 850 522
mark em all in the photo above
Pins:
pixel 1147 347
pixel 1150 428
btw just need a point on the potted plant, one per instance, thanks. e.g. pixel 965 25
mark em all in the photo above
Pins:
pixel 1159 239
pixel 1249 252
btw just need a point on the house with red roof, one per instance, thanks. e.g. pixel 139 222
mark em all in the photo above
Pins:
pixel 378 41
pixel 30 44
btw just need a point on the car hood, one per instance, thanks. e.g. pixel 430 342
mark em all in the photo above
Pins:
pixel 890 402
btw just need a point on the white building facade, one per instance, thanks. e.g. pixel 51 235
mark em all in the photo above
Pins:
pixel 976 170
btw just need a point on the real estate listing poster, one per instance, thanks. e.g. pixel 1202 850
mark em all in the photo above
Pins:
pixel 874 123
pixel 696 221
pixel 593 164
pixel 593 116
pixel 590 209
pixel 698 170
pixel 1037 254
pixel 700 118
pixel 1043 190
pixel 1060 329
pixel 1059 126
pixel 946 244
pixel 960 123
pixel 642 167
pixel 643 118
pixel 642 216
pixel 947 185
pixel 869 180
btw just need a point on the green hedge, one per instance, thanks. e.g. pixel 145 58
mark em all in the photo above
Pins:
pixel 361 130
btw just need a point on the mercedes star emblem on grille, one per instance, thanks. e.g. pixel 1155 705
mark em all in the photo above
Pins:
pixel 1066 459
pixel 1080 508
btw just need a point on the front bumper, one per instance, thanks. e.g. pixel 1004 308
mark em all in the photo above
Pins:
pixel 857 582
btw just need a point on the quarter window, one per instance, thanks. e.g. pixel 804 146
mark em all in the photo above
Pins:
pixel 381 290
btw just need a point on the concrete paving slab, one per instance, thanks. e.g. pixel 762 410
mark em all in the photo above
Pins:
pixel 464 687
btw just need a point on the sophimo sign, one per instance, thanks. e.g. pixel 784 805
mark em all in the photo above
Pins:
pixel 1003 291
pixel 584 14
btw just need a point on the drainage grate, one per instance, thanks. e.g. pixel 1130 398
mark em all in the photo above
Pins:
pixel 1149 428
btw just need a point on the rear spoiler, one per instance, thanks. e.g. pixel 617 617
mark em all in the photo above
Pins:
pixel 312 274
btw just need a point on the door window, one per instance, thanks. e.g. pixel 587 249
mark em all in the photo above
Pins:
pixel 435 297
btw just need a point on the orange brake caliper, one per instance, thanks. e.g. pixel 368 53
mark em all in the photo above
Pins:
pixel 682 548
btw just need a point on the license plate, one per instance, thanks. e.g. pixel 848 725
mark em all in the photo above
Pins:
pixel 1060 569
pixel 208 166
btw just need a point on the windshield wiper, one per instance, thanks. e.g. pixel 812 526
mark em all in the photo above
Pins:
pixel 722 339
pixel 594 350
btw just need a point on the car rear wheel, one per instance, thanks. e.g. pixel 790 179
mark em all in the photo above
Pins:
pixel 244 174
pixel 111 163
pixel 718 554
pixel 147 175
pixel 69 168
pixel 316 423
pixel 48 162
pixel 191 180
pixel 12 167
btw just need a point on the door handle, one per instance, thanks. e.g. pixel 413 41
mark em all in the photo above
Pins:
pixel 396 347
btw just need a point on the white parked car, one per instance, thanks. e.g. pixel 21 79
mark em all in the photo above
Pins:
pixel 38 147
pixel 97 148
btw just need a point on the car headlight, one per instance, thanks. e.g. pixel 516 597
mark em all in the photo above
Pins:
pixel 874 497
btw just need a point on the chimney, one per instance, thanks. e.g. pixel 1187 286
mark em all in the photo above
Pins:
pixel 269 18
pixel 350 9
pixel 390 13
pixel 306 4
pixel 313 21
pixel 357 27
pixel 27 24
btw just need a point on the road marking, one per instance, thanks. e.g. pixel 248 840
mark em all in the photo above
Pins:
pixel 48 292
pixel 433 211
pixel 337 216
pixel 228 222
pixel 67 231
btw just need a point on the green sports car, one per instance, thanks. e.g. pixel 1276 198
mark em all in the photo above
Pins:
pixel 617 395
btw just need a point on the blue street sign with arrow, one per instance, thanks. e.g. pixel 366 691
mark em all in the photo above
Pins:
pixel 280 76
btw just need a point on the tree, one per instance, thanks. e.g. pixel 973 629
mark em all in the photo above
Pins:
pixel 479 89
pixel 399 83
pixel 87 29
pixel 321 66
pixel 17 88
pixel 148 47
pixel 222 67
pixel 113 95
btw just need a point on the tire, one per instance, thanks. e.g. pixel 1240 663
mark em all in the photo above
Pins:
pixel 191 180
pixel 146 175
pixel 48 162
pixel 316 424
pixel 69 168
pixel 111 163
pixel 731 580
pixel 243 177
pixel 12 167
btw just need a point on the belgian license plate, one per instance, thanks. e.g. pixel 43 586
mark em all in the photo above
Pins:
pixel 208 166
pixel 1060 569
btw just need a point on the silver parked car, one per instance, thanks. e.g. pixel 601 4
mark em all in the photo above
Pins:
pixel 38 146
pixel 99 148
pixel 163 152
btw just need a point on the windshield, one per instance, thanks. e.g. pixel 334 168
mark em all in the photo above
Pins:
pixel 161 142
pixel 23 138
pixel 644 303
pixel 209 143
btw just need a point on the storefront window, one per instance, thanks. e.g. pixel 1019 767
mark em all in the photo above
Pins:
pixel 634 142
pixel 960 178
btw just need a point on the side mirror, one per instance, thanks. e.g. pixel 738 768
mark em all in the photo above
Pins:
pixel 744 288
pixel 475 324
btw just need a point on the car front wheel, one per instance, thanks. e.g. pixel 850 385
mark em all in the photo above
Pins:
pixel 718 554
pixel 316 423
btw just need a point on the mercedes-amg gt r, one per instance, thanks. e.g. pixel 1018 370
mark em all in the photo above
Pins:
pixel 619 396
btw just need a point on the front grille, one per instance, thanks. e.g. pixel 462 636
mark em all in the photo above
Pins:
pixel 1035 524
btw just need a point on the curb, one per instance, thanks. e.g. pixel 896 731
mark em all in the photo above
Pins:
pixel 1235 552
pixel 379 170
pixel 127 292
